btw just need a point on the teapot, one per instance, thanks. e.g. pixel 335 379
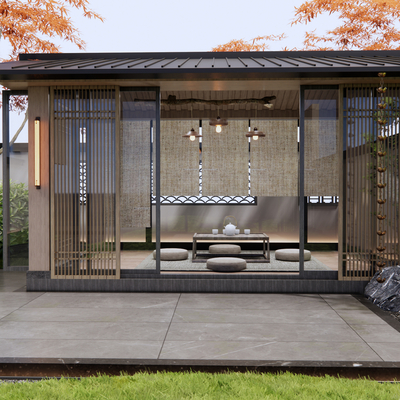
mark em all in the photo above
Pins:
pixel 230 229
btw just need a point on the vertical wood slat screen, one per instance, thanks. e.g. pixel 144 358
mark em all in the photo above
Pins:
pixel 84 173
pixel 226 160
pixel 360 192
pixel 274 159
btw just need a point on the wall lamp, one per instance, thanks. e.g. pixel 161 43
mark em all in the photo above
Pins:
pixel 37 153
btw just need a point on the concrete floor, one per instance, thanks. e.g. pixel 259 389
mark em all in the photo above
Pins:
pixel 159 327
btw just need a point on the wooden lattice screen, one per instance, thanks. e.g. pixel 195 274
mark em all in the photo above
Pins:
pixel 84 175
pixel 359 231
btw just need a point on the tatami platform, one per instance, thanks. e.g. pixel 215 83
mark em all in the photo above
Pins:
pixel 192 328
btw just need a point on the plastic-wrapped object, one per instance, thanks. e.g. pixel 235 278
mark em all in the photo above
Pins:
pixel 384 289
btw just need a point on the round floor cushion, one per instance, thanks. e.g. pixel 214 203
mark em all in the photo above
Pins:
pixel 172 254
pixel 224 249
pixel 291 255
pixel 226 264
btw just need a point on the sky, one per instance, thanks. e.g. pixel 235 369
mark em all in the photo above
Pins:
pixel 176 25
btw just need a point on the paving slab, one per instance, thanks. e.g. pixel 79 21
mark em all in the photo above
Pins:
pixel 232 315
pixel 77 330
pixel 260 332
pixel 269 351
pixel 88 314
pixel 387 353
pixel 79 350
pixel 251 301
pixel 105 300
pixel 377 333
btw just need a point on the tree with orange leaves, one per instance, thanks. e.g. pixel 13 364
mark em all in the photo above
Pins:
pixel 365 25
pixel 259 43
pixel 30 26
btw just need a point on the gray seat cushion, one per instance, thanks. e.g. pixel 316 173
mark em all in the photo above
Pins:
pixel 224 249
pixel 226 264
pixel 172 254
pixel 291 255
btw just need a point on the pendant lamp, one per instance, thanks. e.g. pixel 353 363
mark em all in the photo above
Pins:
pixel 192 134
pixel 218 123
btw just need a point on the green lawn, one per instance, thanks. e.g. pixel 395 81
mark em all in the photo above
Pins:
pixel 198 385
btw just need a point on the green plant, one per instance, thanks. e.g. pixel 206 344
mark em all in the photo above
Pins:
pixel 19 214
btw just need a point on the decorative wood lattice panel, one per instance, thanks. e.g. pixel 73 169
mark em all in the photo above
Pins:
pixel 84 224
pixel 360 191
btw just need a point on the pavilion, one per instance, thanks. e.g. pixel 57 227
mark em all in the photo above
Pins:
pixel 135 152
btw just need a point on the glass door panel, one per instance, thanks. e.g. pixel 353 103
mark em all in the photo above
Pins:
pixel 137 179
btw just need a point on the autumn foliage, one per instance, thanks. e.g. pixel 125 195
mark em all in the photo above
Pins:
pixel 363 25
pixel 259 43
pixel 32 25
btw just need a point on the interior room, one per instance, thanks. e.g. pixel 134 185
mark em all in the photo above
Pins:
pixel 228 157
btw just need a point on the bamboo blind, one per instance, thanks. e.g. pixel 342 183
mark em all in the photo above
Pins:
pixel 274 159
pixel 321 168
pixel 225 159
pixel 83 180
pixel 135 177
pixel 360 203
pixel 179 163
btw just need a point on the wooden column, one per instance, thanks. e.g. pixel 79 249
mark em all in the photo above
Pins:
pixel 39 199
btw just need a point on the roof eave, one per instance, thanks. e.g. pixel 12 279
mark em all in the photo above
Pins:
pixel 190 74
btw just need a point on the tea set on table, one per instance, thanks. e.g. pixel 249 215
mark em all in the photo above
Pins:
pixel 230 229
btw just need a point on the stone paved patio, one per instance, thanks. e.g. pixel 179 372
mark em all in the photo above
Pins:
pixel 190 326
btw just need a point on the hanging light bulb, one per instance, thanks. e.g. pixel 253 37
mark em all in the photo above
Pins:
pixel 218 123
pixel 192 135
pixel 255 134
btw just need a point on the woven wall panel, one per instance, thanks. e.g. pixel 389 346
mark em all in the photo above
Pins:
pixel 179 159
pixel 225 160
pixel 274 159
pixel 321 170
pixel 135 174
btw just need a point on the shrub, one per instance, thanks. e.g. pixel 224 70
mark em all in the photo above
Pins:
pixel 19 214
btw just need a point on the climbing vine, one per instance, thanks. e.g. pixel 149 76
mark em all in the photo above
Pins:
pixel 381 171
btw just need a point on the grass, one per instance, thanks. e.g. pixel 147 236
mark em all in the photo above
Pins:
pixel 199 385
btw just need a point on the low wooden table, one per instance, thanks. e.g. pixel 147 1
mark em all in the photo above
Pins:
pixel 249 257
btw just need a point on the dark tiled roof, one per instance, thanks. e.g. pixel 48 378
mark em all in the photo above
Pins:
pixel 164 64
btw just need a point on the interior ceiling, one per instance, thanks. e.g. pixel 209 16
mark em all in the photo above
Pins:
pixel 285 104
